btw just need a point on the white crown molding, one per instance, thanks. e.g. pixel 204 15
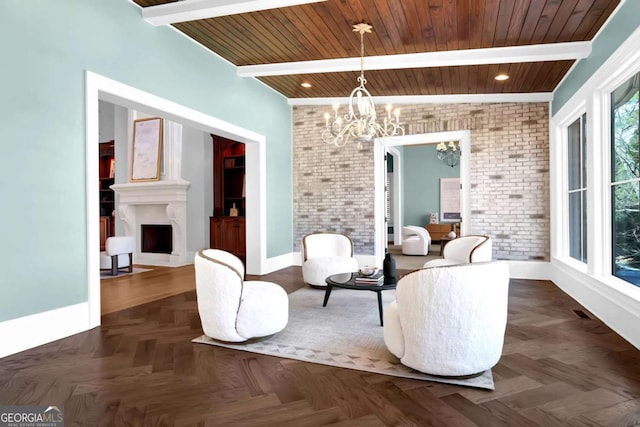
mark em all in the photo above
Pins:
pixel 495 55
pixel 192 10
pixel 434 99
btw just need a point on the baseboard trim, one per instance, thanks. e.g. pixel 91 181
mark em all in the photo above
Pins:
pixel 531 270
pixel 280 262
pixel 32 331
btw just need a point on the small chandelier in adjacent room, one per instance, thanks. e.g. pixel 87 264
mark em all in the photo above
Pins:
pixel 449 153
pixel 360 123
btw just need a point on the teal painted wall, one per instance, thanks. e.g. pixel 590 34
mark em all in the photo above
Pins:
pixel 46 48
pixel 421 173
pixel 618 29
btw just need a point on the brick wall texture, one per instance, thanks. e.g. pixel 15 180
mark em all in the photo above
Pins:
pixel 333 187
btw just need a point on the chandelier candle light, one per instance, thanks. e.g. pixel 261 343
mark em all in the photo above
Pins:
pixel 360 121
pixel 449 153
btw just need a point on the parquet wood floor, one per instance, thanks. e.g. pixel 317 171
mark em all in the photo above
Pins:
pixel 140 368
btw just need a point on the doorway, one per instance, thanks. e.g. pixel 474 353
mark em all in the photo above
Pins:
pixel 102 88
pixel 387 144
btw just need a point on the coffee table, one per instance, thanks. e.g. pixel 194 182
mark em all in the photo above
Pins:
pixel 347 281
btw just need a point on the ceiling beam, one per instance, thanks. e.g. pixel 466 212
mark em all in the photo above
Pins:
pixel 192 10
pixel 434 99
pixel 496 55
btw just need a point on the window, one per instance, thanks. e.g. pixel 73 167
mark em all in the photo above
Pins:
pixel 625 181
pixel 577 195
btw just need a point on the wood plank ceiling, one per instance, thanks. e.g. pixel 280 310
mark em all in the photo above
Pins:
pixel 321 31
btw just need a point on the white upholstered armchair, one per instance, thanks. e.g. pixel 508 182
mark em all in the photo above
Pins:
pixel 449 320
pixel 415 240
pixel 232 309
pixel 465 249
pixel 325 254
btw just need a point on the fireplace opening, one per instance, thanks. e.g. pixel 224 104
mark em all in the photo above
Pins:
pixel 157 238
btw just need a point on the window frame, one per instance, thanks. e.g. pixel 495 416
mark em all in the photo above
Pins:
pixel 583 121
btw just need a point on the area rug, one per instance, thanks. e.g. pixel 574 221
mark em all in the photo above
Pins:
pixel 346 333
pixel 413 262
pixel 107 274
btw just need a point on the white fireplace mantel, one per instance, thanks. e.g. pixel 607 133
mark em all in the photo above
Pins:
pixel 155 202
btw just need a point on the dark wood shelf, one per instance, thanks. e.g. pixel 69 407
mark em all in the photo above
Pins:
pixel 228 232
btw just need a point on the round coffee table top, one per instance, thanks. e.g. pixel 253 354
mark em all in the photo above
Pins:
pixel 348 281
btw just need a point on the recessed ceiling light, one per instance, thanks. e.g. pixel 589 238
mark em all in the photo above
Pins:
pixel 305 84
pixel 501 77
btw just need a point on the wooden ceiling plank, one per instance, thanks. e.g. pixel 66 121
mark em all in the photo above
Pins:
pixel 274 42
pixel 505 15
pixel 204 35
pixel 387 19
pixel 576 18
pixel 491 9
pixel 544 23
pixel 530 22
pixel 410 11
pixel 184 11
pixel 602 10
pixel 337 20
pixel 240 34
pixel 438 23
pixel 476 24
pixel 557 30
pixel 459 10
pixel 308 34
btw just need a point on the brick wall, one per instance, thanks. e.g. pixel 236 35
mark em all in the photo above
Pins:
pixel 333 187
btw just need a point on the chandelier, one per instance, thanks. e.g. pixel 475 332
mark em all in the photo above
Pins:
pixel 360 123
pixel 449 153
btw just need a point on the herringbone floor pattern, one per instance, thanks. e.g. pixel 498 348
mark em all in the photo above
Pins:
pixel 140 368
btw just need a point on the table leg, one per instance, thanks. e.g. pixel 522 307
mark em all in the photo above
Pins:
pixel 326 295
pixel 380 306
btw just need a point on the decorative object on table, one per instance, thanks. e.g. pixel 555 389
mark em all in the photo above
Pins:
pixel 389 269
pixel 367 270
pixel 452 234
pixel 377 278
pixel 433 218
pixel 147 149
pixel 324 254
pixel 360 125
pixel 233 211
pixel 449 153
pixel 449 320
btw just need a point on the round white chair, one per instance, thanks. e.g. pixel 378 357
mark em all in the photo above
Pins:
pixel 232 309
pixel 326 254
pixel 415 240
pixel 449 320
pixel 465 249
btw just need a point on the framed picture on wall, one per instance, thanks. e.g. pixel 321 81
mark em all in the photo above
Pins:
pixel 450 199
pixel 147 149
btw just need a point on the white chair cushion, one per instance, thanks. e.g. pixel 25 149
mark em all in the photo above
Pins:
pixel 316 270
pixel 264 309
pixel 116 245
